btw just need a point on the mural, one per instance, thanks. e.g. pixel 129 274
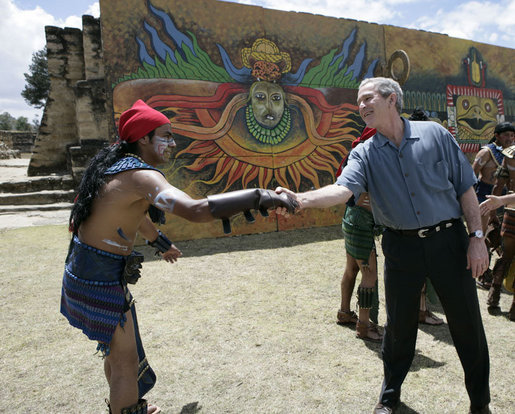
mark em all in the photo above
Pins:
pixel 270 98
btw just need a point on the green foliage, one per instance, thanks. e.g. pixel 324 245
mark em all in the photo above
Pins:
pixel 7 121
pixel 10 123
pixel 328 75
pixel 37 80
pixel 197 66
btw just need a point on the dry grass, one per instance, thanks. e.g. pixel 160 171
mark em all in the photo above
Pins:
pixel 238 325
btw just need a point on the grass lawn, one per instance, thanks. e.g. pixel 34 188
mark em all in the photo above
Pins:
pixel 239 325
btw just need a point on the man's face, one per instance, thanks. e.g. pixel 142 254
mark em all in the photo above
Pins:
pixel 373 108
pixel 267 104
pixel 163 143
pixel 505 139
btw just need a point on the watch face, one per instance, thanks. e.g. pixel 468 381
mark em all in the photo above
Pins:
pixel 478 233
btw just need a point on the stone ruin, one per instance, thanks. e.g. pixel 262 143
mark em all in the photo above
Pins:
pixel 76 118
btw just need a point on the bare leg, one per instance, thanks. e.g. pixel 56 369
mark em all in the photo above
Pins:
pixel 348 282
pixel 500 271
pixel 121 367
pixel 425 316
pixel 365 329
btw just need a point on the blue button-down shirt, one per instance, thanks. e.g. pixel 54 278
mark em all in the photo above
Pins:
pixel 413 186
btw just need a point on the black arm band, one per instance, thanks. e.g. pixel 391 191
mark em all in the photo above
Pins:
pixel 162 243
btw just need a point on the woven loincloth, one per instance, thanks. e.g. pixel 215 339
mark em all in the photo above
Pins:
pixel 94 299
pixel 358 230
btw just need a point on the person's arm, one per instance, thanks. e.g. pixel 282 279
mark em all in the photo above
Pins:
pixel 477 254
pixel 330 195
pixel 154 188
pixel 481 159
pixel 155 238
pixel 494 202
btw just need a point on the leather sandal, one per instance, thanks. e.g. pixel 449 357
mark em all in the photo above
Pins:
pixel 346 317
pixel 368 331
pixel 429 318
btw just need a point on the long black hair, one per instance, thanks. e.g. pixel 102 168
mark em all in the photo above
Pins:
pixel 93 180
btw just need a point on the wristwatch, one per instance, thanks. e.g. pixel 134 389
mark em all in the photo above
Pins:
pixel 478 233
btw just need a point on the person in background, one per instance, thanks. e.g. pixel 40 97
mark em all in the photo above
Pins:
pixel 486 165
pixel 359 231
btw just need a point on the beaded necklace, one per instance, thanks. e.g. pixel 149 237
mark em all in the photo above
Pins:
pixel 266 135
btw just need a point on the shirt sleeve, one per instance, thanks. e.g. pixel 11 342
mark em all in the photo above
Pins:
pixel 353 175
pixel 461 173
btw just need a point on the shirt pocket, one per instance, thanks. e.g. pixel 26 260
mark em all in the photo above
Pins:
pixel 435 176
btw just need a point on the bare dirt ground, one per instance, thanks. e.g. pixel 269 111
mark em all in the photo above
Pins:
pixel 239 325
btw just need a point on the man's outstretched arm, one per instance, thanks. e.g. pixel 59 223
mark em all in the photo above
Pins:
pixel 328 196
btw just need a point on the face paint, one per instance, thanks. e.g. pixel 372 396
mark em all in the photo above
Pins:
pixel 161 144
pixel 166 200
pixel 113 243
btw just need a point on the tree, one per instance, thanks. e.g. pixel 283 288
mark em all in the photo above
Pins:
pixel 37 80
pixel 22 124
pixel 7 122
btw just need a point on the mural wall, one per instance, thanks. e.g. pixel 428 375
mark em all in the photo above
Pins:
pixel 260 98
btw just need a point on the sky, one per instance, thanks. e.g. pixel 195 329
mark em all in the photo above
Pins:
pixel 22 27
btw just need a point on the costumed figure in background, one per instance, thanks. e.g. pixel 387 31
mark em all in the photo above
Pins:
pixel 359 231
pixel 486 166
pixel 118 188
pixel 505 179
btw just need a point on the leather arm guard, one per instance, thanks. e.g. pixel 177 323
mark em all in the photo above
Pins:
pixel 225 205
pixel 161 244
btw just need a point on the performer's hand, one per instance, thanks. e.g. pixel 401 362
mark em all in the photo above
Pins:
pixel 477 257
pixel 491 204
pixel 282 210
pixel 172 254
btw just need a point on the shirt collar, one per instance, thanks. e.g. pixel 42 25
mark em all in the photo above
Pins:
pixel 380 140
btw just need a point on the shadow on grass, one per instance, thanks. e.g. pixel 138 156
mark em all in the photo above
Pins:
pixel 404 409
pixel 191 408
pixel 272 240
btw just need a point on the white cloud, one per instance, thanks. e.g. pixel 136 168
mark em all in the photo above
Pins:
pixel 482 21
pixel 377 11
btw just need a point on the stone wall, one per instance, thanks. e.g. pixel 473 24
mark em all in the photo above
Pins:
pixel 75 121
pixel 21 141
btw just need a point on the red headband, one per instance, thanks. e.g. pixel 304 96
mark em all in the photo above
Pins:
pixel 138 121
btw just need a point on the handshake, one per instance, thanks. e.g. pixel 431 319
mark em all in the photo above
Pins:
pixel 225 205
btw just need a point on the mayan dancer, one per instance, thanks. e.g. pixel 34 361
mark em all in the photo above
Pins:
pixel 359 231
pixel 486 166
pixel 122 184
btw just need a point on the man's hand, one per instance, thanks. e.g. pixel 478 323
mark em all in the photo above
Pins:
pixel 477 257
pixel 283 211
pixel 493 203
pixel 172 254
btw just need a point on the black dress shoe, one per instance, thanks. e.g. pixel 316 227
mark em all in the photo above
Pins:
pixel 382 409
pixel 483 410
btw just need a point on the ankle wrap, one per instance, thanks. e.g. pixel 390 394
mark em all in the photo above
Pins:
pixel 365 297
pixel 139 408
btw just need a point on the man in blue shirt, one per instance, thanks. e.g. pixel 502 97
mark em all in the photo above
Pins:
pixel 420 184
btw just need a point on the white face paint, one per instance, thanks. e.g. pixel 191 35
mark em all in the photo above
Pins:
pixel 113 243
pixel 161 144
pixel 166 199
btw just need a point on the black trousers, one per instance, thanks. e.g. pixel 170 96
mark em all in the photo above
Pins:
pixel 443 258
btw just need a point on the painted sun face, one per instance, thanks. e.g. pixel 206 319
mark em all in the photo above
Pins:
pixel 267 100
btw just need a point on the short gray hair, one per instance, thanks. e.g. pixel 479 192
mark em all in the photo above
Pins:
pixel 385 87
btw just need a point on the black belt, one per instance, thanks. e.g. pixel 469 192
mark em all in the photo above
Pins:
pixel 426 231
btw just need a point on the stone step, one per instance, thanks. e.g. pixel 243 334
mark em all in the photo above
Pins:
pixel 34 207
pixel 38 197
pixel 35 184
